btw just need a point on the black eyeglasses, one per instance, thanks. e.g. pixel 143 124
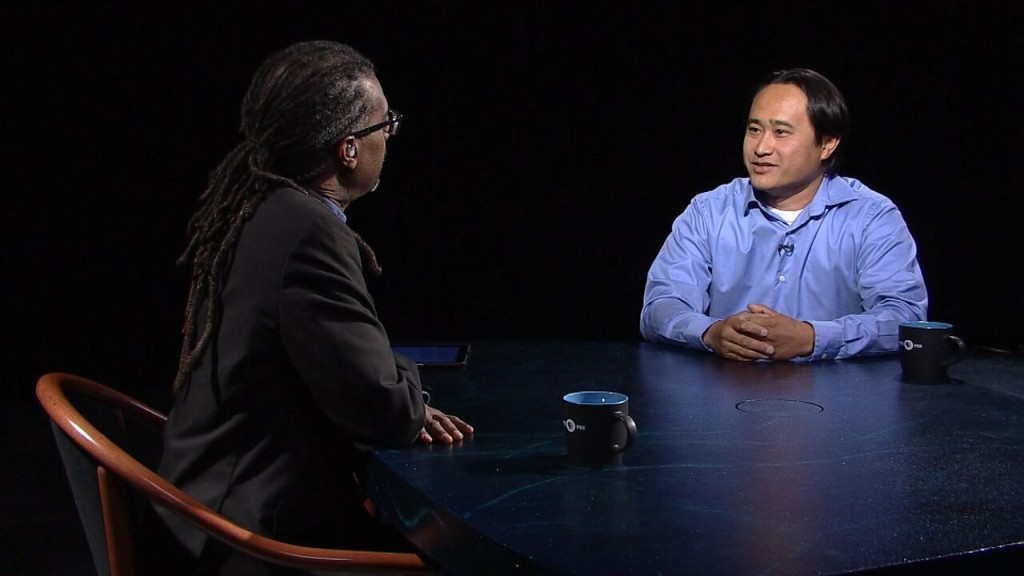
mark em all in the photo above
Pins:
pixel 390 126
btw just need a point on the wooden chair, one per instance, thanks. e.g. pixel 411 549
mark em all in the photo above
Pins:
pixel 100 470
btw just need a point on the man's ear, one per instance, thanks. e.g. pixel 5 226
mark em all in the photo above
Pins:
pixel 828 146
pixel 347 151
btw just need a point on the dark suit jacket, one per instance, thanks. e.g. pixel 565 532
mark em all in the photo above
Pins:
pixel 299 376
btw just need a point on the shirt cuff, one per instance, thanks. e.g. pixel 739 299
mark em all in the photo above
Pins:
pixel 827 340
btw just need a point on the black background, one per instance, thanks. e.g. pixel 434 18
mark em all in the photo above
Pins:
pixel 547 148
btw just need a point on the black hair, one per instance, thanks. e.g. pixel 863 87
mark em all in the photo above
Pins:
pixel 826 106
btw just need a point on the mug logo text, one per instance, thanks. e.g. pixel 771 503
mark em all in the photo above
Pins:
pixel 909 344
pixel 572 426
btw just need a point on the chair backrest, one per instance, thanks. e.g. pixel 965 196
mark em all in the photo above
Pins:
pixel 101 471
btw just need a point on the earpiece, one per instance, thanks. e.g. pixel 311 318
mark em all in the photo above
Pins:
pixel 350 150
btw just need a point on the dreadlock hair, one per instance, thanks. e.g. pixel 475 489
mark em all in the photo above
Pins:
pixel 300 103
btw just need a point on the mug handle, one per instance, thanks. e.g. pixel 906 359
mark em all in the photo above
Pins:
pixel 959 349
pixel 630 425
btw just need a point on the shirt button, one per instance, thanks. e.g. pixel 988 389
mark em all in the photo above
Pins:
pixel 782 277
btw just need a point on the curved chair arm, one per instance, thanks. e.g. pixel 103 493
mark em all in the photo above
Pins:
pixel 52 390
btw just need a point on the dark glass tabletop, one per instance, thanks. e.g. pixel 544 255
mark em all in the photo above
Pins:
pixel 766 468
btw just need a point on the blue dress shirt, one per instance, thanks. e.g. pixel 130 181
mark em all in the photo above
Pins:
pixel 847 265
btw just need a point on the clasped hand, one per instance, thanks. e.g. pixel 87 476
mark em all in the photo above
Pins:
pixel 760 333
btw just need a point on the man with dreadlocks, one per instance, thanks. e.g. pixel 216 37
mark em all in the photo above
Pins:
pixel 286 374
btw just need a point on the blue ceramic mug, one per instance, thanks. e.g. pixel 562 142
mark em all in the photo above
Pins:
pixel 598 428
pixel 927 349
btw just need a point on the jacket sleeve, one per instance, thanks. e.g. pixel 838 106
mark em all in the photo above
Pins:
pixel 331 332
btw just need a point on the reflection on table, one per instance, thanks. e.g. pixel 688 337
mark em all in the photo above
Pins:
pixel 786 468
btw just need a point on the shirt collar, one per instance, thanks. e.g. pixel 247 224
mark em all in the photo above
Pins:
pixel 831 192
pixel 334 208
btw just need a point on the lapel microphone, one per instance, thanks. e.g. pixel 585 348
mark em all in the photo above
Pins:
pixel 787 248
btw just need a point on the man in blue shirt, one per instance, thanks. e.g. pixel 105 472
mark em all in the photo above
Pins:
pixel 793 262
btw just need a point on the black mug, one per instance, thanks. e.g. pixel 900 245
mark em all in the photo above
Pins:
pixel 927 349
pixel 598 428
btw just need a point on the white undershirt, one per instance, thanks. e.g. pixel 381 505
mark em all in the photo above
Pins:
pixel 788 215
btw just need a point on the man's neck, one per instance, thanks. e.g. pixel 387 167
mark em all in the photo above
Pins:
pixel 335 193
pixel 795 201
